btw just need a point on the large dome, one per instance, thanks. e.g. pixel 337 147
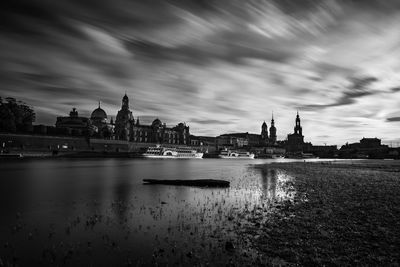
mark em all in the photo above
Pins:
pixel 98 113
pixel 156 123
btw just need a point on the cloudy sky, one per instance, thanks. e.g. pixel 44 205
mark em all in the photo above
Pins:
pixel 221 66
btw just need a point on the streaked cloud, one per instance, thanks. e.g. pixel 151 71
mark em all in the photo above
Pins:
pixel 220 65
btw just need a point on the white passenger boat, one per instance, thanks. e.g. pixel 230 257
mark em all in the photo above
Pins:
pixel 172 152
pixel 228 154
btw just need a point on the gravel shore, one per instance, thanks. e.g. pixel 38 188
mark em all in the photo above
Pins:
pixel 342 213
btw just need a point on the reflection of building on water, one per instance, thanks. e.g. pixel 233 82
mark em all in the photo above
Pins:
pixel 268 180
pixel 275 186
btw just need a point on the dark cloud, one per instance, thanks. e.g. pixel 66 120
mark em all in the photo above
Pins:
pixel 360 84
pixel 339 102
pixel 359 87
pixel 393 119
pixel 395 90
pixel 230 53
pixel 33 18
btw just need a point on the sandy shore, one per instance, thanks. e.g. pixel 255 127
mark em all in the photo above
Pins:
pixel 342 213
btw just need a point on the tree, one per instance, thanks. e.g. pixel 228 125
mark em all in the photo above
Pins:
pixel 15 116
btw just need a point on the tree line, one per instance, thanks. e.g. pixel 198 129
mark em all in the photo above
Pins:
pixel 15 116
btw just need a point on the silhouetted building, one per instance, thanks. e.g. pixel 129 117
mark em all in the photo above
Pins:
pixel 206 141
pixel 99 119
pixel 296 140
pixel 158 132
pixel 272 132
pixel 370 142
pixel 321 151
pixel 124 121
pixel 366 148
pixel 264 133
pixel 239 140
pixel 72 124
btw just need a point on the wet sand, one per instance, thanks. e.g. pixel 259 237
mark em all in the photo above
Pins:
pixel 342 213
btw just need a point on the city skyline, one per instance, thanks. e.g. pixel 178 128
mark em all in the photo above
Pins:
pixel 219 66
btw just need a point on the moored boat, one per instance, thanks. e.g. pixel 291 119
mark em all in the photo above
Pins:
pixel 172 152
pixel 10 156
pixel 229 154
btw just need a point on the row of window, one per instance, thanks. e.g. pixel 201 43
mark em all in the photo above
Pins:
pixel 166 135
pixel 145 139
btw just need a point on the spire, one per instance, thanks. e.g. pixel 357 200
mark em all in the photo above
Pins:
pixel 99 103
pixel 125 102
pixel 272 131
pixel 297 128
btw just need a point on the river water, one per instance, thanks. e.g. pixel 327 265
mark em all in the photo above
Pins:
pixel 98 212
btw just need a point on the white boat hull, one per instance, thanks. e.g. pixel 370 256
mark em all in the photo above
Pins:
pixel 196 156
pixel 240 157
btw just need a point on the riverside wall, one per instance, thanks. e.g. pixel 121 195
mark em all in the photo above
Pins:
pixel 28 143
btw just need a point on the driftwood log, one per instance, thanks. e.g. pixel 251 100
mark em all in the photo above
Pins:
pixel 199 182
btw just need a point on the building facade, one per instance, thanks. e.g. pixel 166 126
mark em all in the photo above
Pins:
pixel 127 129
pixel 99 119
pixel 272 132
pixel 73 121
pixel 295 141
pixel 264 133
pixel 158 132
pixel 124 121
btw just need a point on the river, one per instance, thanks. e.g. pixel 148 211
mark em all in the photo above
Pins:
pixel 98 212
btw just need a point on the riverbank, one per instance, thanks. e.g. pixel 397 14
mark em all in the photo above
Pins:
pixel 342 213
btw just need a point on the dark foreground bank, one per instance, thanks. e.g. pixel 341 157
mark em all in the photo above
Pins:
pixel 341 214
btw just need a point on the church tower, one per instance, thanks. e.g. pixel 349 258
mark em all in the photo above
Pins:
pixel 295 141
pixel 124 121
pixel 125 102
pixel 264 132
pixel 297 129
pixel 272 131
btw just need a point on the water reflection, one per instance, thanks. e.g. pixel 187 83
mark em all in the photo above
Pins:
pixel 104 203
pixel 268 181
pixel 276 185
